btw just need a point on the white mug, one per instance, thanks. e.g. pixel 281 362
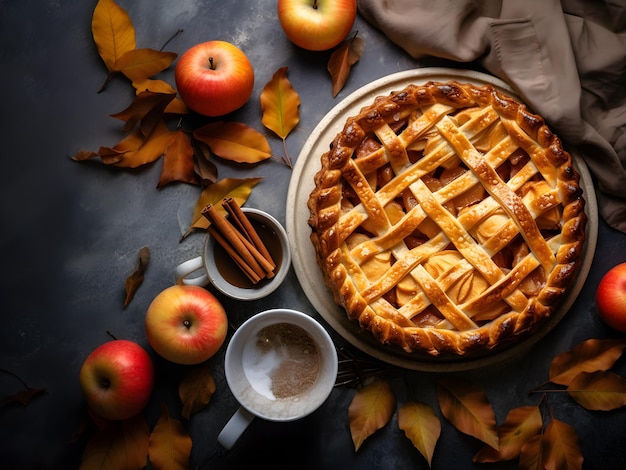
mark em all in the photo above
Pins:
pixel 206 264
pixel 281 365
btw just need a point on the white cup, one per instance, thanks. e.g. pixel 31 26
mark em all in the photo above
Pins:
pixel 206 265
pixel 281 365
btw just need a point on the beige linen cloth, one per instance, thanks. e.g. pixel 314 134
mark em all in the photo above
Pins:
pixel 566 59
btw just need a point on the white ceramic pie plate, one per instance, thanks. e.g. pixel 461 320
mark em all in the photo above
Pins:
pixel 303 254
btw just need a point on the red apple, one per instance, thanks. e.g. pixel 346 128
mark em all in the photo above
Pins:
pixel 186 324
pixel 214 78
pixel 117 379
pixel 611 297
pixel 316 25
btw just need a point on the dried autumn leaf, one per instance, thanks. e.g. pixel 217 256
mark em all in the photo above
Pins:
pixel 178 163
pixel 136 278
pixel 205 168
pixel 342 59
pixel 23 397
pixel 601 390
pixel 237 188
pixel 140 64
pixel 557 448
pixel 371 408
pixel 195 390
pixel 170 444
pixel 422 426
pixel 589 356
pixel 521 425
pixel 123 444
pixel 146 109
pixel 234 141
pixel 113 32
pixel 468 409
pixel 280 105
pixel 150 149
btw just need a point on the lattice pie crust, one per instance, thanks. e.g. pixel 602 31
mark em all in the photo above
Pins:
pixel 447 219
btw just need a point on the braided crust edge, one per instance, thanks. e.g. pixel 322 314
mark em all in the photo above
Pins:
pixel 324 206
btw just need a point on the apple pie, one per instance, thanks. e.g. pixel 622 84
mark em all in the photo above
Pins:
pixel 447 219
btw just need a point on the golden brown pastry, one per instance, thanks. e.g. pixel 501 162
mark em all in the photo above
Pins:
pixel 447 219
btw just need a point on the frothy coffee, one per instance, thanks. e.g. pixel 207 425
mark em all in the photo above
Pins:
pixel 283 362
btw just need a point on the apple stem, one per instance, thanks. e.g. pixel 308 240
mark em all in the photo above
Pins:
pixel 211 64
pixel 187 324
pixel 315 4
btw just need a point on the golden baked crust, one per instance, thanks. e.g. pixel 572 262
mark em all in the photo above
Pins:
pixel 447 219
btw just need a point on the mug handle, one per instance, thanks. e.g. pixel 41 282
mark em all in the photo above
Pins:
pixel 186 268
pixel 235 427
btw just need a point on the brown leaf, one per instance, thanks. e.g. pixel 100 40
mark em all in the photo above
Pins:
pixel 113 32
pixel 170 444
pixel 521 425
pixel 237 188
pixel 178 164
pixel 205 168
pixel 176 106
pixel 136 278
pixel 279 105
pixel 234 141
pixel 150 149
pixel 601 390
pixel 342 59
pixel 589 356
pixel 141 64
pixel 371 408
pixel 82 155
pixel 557 448
pixel 123 444
pixel 24 397
pixel 468 409
pixel 422 426
pixel 196 390
pixel 146 109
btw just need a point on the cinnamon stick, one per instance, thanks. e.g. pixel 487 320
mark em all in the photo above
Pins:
pixel 247 270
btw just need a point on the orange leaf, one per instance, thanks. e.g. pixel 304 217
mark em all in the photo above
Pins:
pixel 371 408
pixel 589 356
pixel 521 425
pixel 601 390
pixel 136 278
pixel 342 60
pixel 178 164
pixel 557 448
pixel 468 409
pixel 151 148
pixel 422 426
pixel 279 105
pixel 147 109
pixel 170 444
pixel 238 189
pixel 123 444
pixel 196 390
pixel 113 32
pixel 141 64
pixel 234 141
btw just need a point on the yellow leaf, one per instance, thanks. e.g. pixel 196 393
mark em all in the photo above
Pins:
pixel 178 163
pixel 521 425
pixel 557 448
pixel 151 149
pixel 146 109
pixel 422 426
pixel 371 408
pixel 600 390
pixel 170 444
pixel 155 86
pixel 237 188
pixel 342 60
pixel 279 105
pixel 123 444
pixel 589 356
pixel 140 64
pixel 195 390
pixel 234 141
pixel 469 411
pixel 113 32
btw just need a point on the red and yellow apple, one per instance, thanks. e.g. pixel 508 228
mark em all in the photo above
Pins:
pixel 316 25
pixel 117 379
pixel 186 324
pixel 611 297
pixel 214 78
